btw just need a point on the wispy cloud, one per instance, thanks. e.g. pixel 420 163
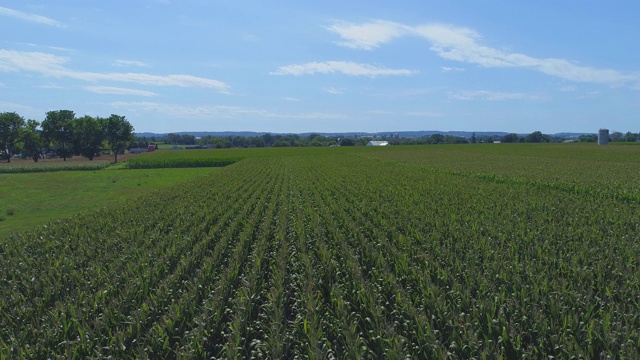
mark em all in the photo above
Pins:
pixel 423 114
pixel 288 98
pixel 369 35
pixel 53 66
pixel 119 91
pixel 344 67
pixel 380 112
pixel 450 69
pixel 49 86
pixel 126 63
pixel 22 109
pixel 30 17
pixel 334 91
pixel 429 114
pixel 397 93
pixel 490 95
pixel 464 45
pixel 590 95
pixel 217 111
pixel 56 48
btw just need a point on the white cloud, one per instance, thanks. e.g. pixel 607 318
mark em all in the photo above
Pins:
pixel 380 112
pixel 568 88
pixel 450 69
pixel 334 91
pixel 11 61
pixel 217 111
pixel 288 98
pixel 490 95
pixel 155 80
pixel 56 48
pixel 123 63
pixel 24 110
pixel 423 114
pixel 118 91
pixel 463 45
pixel 397 93
pixel 53 66
pixel 49 86
pixel 345 67
pixel 590 95
pixel 181 111
pixel 313 116
pixel 30 17
pixel 369 35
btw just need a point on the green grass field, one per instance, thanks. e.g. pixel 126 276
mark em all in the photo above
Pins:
pixel 426 252
pixel 29 200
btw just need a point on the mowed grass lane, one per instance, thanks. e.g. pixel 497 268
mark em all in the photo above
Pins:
pixel 28 200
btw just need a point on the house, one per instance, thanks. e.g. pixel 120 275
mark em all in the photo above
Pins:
pixel 377 143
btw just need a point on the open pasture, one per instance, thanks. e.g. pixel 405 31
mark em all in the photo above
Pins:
pixel 468 251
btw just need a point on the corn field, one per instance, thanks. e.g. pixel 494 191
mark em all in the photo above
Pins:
pixel 341 253
pixel 49 167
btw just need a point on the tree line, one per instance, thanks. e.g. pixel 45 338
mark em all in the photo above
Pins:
pixel 314 139
pixel 539 137
pixel 291 140
pixel 62 134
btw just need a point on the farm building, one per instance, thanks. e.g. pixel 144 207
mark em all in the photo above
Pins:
pixel 377 143
pixel 603 136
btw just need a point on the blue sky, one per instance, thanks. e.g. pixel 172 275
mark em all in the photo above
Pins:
pixel 326 66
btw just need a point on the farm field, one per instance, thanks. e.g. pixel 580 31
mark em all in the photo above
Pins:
pixel 466 251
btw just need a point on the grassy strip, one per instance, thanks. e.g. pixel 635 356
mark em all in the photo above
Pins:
pixel 32 200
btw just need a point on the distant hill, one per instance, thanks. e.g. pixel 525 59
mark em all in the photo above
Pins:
pixel 405 134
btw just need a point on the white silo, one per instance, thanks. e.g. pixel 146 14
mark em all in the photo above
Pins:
pixel 603 136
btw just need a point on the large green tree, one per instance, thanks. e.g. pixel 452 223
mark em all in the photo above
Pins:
pixel 57 131
pixel 511 138
pixel 88 136
pixel 32 140
pixel 10 125
pixel 118 133
pixel 436 139
pixel 536 137
pixel 630 137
